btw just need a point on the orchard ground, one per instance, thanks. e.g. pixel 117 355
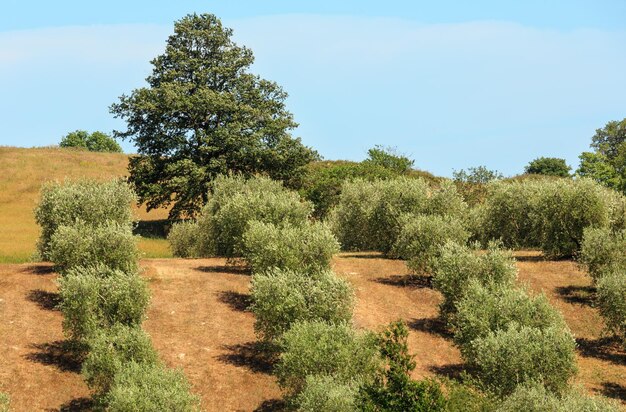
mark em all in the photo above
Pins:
pixel 198 321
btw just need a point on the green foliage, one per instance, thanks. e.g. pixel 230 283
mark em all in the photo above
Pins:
pixel 597 167
pixel 110 244
pixel 110 349
pixel 370 215
pixel 508 357
pixel 609 140
pixel 150 387
pixel 483 310
pixel 456 265
pixel 472 184
pixel 235 202
pixel 319 348
pixel 603 251
pixel 307 248
pixel 462 397
pixel 94 142
pixel 97 297
pixel 184 239
pixel 62 204
pixel 282 297
pixel 322 183
pixel 550 166
pixel 549 213
pixel 611 300
pixel 534 397
pixel 422 236
pixel 393 389
pixel 324 393
pixel 188 129
pixel 389 158
pixel 5 402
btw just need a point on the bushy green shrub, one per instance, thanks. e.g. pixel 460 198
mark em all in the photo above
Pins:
pixel 235 202
pixel 319 348
pixel 398 197
pixel 184 239
pixel 482 310
pixel 110 349
pixel 94 142
pixel 150 387
pixel 508 357
pixel 456 265
pixel 462 397
pixel 534 397
pixel 80 244
pixel 422 236
pixel 446 200
pixel 308 247
pixel 62 204
pixel 392 388
pixel 350 219
pixel 282 297
pixel 324 393
pixel 611 300
pixel 549 213
pixel 602 251
pixel 96 297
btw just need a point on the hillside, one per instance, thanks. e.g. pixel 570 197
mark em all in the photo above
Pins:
pixel 23 171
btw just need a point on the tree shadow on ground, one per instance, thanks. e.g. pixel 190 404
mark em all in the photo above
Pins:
pixel 607 349
pixel 530 258
pixel 272 405
pixel 229 269
pixel 152 228
pixel 407 281
pixel 76 405
pixel 44 299
pixel 434 326
pixel 451 371
pixel 255 356
pixel 373 255
pixel 579 295
pixel 237 301
pixel 43 269
pixel 67 356
pixel 614 390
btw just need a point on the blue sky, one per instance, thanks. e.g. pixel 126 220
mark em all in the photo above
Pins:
pixel 453 84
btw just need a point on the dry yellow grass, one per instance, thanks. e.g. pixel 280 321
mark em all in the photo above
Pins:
pixel 23 171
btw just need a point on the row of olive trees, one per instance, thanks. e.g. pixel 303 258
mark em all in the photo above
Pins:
pixel 87 233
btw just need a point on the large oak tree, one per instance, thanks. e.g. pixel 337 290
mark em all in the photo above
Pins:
pixel 203 114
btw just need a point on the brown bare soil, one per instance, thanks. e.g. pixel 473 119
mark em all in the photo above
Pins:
pixel 198 322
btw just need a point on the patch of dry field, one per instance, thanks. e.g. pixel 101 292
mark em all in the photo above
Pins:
pixel 198 321
pixel 23 171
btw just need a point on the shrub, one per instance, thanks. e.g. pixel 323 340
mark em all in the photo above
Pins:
pixel 282 297
pixel 611 300
pixel 307 248
pixel 80 244
pixel 393 389
pixel 461 397
pixel 184 239
pixel 534 397
pixel 422 236
pixel 92 202
pixel 110 349
pixel 456 265
pixel 603 251
pixel 398 197
pixel 483 310
pixel 150 387
pixel 324 393
pixel 97 297
pixel 508 357
pixel 472 184
pixel 319 348
pixel 350 219
pixel 94 142
pixel 446 200
pixel 235 202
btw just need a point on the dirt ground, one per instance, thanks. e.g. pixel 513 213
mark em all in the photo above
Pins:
pixel 198 322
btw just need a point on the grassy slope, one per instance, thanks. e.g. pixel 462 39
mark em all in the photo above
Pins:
pixel 23 171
